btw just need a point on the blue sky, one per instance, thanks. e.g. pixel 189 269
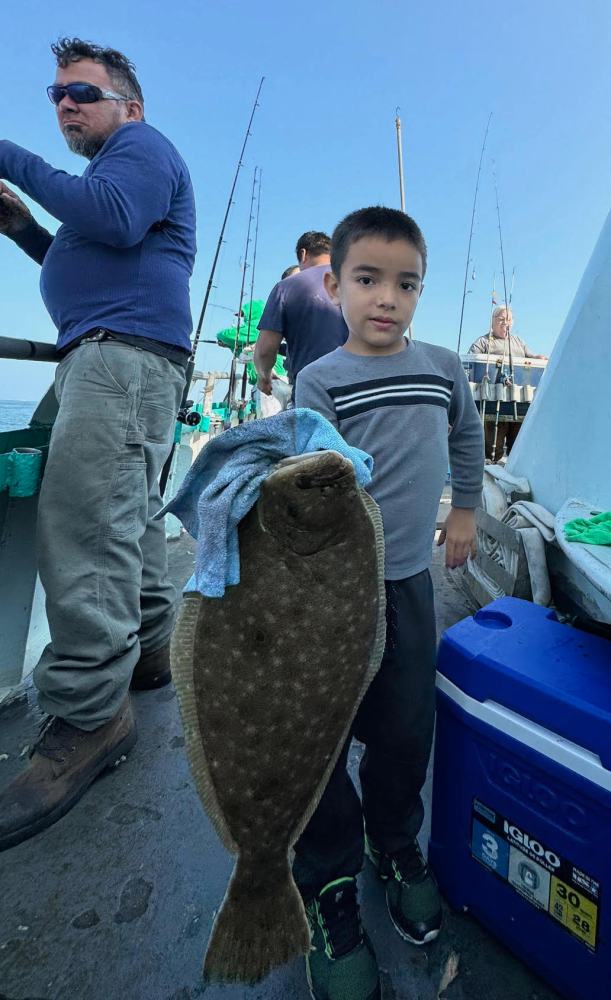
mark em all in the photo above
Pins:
pixel 324 138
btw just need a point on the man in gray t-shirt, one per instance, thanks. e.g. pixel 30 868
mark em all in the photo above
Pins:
pixel 300 311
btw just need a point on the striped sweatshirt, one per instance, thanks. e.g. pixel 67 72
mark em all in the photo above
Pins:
pixel 412 412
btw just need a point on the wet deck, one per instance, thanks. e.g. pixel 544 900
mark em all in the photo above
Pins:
pixel 115 901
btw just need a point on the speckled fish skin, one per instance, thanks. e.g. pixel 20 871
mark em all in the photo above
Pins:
pixel 269 679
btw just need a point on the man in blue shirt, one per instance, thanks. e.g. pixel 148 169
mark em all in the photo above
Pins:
pixel 115 280
pixel 299 311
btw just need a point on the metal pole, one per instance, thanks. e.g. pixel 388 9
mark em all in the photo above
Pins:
pixel 27 350
pixel 400 156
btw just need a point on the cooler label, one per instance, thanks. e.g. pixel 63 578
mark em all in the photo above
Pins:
pixel 546 880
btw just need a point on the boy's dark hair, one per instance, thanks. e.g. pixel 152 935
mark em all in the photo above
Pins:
pixel 388 223
pixel 121 71
pixel 313 243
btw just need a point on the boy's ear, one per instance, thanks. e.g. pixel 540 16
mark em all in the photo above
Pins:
pixel 332 287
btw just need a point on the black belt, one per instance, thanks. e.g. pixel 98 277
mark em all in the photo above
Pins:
pixel 176 355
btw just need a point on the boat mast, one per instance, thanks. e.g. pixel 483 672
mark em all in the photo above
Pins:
pixel 401 181
pixel 464 291
pixel 400 158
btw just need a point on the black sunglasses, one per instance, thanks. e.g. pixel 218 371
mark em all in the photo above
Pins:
pixel 82 93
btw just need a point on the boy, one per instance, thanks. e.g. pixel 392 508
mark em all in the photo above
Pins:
pixel 394 398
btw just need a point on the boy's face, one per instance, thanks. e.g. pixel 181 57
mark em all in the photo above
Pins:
pixel 378 291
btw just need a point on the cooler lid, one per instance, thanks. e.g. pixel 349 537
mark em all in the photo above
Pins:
pixel 518 655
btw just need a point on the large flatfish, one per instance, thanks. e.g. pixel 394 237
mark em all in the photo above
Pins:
pixel 269 678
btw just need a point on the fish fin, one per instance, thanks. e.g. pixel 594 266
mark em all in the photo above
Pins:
pixel 375 657
pixel 379 642
pixel 181 657
pixel 256 928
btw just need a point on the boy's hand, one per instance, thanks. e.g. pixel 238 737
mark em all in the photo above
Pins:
pixel 458 533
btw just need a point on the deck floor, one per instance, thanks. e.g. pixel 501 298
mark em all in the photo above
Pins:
pixel 115 902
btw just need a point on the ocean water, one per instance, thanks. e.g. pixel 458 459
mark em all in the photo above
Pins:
pixel 15 414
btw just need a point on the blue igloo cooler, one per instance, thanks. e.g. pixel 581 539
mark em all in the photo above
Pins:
pixel 521 824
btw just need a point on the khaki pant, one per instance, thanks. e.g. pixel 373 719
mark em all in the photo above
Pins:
pixel 506 435
pixel 102 559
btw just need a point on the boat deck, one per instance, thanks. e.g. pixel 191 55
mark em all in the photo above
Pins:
pixel 115 902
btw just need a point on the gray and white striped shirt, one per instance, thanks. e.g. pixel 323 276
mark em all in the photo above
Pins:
pixel 397 408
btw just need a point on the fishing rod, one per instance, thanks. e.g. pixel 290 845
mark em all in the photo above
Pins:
pixel 506 381
pixel 252 284
pixel 464 293
pixel 222 233
pixel 254 256
pixel 184 406
pixel 486 379
pixel 236 346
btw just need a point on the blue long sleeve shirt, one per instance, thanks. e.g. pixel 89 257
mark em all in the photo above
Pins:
pixel 124 254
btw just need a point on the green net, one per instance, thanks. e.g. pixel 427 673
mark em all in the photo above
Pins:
pixel 251 312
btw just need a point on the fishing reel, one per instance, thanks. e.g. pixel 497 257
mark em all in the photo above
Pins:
pixel 188 416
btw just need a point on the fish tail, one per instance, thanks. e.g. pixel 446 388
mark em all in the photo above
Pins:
pixel 261 924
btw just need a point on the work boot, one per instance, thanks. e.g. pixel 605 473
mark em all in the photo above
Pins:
pixel 64 761
pixel 412 895
pixel 152 670
pixel 342 964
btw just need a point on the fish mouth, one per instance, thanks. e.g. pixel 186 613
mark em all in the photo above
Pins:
pixel 315 469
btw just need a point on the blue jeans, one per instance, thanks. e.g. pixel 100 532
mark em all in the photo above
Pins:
pixel 102 559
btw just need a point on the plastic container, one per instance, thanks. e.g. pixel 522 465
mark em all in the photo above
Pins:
pixel 521 823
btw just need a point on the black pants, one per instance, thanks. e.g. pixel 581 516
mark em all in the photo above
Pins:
pixel 395 722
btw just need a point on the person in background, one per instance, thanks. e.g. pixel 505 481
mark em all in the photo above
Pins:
pixel 498 339
pixel 497 342
pixel 394 398
pixel 115 280
pixel 299 311
pixel 290 271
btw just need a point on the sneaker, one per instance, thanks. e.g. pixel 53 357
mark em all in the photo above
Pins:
pixel 341 964
pixel 64 761
pixel 152 670
pixel 412 896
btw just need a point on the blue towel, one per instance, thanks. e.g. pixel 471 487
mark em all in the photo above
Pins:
pixel 225 480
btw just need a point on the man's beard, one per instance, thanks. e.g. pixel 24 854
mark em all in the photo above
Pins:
pixel 84 145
